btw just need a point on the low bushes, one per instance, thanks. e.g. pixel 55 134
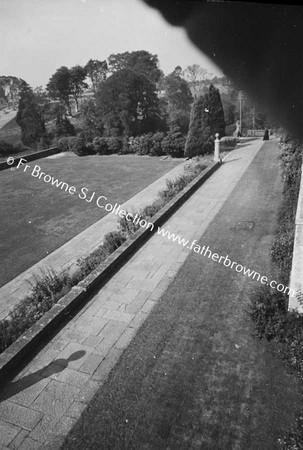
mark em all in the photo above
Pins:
pixel 228 143
pixel 290 163
pixel 152 144
pixel 9 149
pixel 174 143
pixel 147 144
pixel 75 144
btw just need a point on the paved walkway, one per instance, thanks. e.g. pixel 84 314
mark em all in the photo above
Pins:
pixel 85 242
pixel 43 402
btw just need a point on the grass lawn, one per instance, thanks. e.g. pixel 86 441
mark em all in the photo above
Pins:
pixel 37 217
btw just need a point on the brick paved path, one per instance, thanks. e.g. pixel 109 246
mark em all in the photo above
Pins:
pixel 43 402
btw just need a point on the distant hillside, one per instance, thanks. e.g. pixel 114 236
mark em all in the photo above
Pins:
pixel 9 91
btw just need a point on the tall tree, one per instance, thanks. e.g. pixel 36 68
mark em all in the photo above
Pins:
pixel 179 99
pixel 128 104
pixel 139 61
pixel 63 126
pixel 96 71
pixel 77 83
pixel 198 138
pixel 60 87
pixel 92 124
pixel 216 112
pixel 206 119
pixel 29 117
pixel 195 75
pixel 43 103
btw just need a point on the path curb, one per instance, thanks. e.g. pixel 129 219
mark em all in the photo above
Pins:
pixel 30 157
pixel 12 357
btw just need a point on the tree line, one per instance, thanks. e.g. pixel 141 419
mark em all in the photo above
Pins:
pixel 126 96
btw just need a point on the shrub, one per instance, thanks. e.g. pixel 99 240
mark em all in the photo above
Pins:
pixel 112 241
pixel 157 139
pixel 46 292
pixel 125 147
pixel 290 164
pixel 230 129
pixel 63 126
pixel 6 148
pixel 75 144
pixel 150 210
pixel 100 145
pixel 146 144
pixel 127 227
pixel 115 144
pixel 268 311
pixel 134 144
pixel 282 249
pixel 63 144
pixel 173 144
pixel 228 143
pixel 273 321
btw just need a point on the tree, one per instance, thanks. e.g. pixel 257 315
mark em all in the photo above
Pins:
pixel 206 119
pixel 195 74
pixel 127 103
pixel 197 141
pixel 179 99
pixel 77 83
pixel 216 112
pixel 60 87
pixel 96 71
pixel 140 61
pixel 44 104
pixel 29 117
pixel 63 126
pixel 173 144
pixel 92 125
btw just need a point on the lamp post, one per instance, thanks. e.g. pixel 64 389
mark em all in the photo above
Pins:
pixel 240 98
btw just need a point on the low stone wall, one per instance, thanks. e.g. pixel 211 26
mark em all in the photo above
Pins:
pixel 30 157
pixel 296 279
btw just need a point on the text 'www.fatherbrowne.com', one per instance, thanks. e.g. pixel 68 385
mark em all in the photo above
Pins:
pixel 205 251
pixel 101 202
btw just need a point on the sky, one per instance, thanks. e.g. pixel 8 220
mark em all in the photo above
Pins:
pixel 39 36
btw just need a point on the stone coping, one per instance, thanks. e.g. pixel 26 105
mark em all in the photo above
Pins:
pixel 30 157
pixel 12 357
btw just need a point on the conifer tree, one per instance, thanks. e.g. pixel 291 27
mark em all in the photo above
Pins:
pixel 216 112
pixel 197 142
pixel 29 118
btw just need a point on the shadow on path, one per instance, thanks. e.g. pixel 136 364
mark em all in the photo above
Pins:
pixel 56 366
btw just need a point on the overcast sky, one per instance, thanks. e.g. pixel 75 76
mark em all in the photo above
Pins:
pixel 39 36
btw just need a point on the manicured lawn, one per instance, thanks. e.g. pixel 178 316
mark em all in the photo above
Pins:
pixel 37 217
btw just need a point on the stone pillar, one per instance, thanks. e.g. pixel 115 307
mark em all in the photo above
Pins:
pixel 217 149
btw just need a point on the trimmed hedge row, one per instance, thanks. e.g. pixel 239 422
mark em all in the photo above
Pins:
pixel 152 144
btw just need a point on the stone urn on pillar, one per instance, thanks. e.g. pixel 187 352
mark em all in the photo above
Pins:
pixel 217 149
